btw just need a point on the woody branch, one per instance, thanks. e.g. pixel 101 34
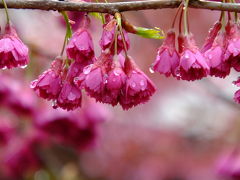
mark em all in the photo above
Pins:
pixel 113 7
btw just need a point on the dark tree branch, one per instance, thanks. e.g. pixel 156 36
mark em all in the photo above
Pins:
pixel 115 6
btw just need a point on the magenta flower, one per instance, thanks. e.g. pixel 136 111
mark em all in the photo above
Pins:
pixel 233 44
pixel 103 80
pixel 213 32
pixel 215 56
pixel 68 128
pixel 192 63
pixel 167 59
pixel 107 39
pixel 48 85
pixel 13 53
pixel 70 96
pixel 138 88
pixel 80 46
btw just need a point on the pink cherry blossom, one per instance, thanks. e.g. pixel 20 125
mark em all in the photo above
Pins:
pixel 167 59
pixel 138 89
pixel 13 53
pixel 80 46
pixel 48 85
pixel 192 63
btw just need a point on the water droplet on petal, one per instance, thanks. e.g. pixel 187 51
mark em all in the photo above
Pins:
pixel 105 82
pixel 133 85
pixel 186 56
pixel 33 84
pixel 54 104
pixel 87 69
pixel 23 67
pixel 5 67
pixel 151 70
pixel 116 72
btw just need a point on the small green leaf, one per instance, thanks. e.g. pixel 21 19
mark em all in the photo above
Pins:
pixel 155 33
pixel 96 15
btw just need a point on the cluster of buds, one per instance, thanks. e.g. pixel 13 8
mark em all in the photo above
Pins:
pixel 110 78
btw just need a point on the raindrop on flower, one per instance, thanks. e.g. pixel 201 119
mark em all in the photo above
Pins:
pixel 133 85
pixel 151 70
pixel 186 56
pixel 87 69
pixel 5 67
pixel 23 67
pixel 116 72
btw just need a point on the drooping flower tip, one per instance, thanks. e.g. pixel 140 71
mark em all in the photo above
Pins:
pixel 138 88
pixel 70 97
pixel 108 35
pixel 13 52
pixel 192 63
pixel 167 59
pixel 48 84
pixel 80 46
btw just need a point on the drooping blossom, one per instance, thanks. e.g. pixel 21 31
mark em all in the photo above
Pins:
pixel 192 63
pixel 138 88
pixel 80 46
pixel 69 128
pixel 104 79
pixel 13 52
pixel 167 59
pixel 70 97
pixel 233 44
pixel 108 35
pixel 49 84
pixel 215 56
pixel 22 158
pixel 213 32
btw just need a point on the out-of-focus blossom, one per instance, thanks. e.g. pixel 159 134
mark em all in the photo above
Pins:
pixel 22 158
pixel 138 88
pixel 13 53
pixel 167 59
pixel 69 128
pixel 192 63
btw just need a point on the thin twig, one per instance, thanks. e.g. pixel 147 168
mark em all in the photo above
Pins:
pixel 114 7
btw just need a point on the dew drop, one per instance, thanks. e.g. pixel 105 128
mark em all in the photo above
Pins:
pixel 186 56
pixel 5 67
pixel 33 84
pixel 87 69
pixel 133 85
pixel 23 67
pixel 151 70
pixel 116 72
pixel 105 82
pixel 54 104
pixel 76 79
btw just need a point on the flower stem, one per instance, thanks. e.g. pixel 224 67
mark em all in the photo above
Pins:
pixel 6 11
pixel 68 31
pixel 119 21
pixel 175 18
pixel 185 17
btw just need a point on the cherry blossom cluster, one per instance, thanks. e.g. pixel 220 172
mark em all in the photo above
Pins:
pixel 111 78
pixel 185 61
